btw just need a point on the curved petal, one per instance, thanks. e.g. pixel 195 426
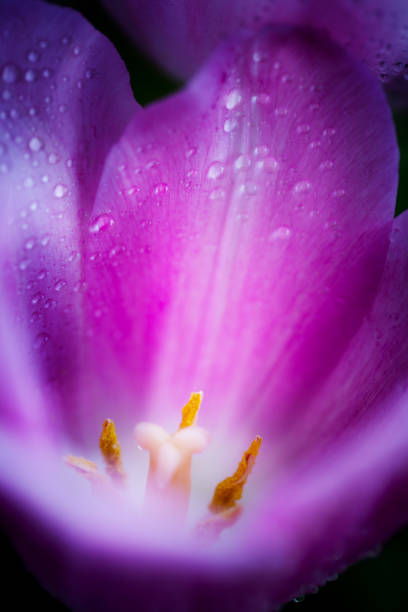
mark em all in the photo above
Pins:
pixel 65 99
pixel 181 35
pixel 240 231
pixel 373 365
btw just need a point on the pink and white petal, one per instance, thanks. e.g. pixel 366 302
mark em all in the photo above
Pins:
pixel 181 35
pixel 241 230
pixel 64 101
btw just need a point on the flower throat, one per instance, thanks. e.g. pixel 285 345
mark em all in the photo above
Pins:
pixel 169 477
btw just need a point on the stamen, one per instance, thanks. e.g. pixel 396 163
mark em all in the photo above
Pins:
pixel 190 411
pixel 111 452
pixel 225 511
pixel 229 491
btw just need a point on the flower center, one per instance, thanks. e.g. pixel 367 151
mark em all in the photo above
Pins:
pixel 169 477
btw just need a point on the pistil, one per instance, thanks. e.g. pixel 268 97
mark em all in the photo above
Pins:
pixel 169 477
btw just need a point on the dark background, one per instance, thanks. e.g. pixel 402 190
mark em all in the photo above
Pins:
pixel 377 584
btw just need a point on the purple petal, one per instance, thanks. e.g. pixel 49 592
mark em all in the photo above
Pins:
pixel 181 35
pixel 237 243
pixel 65 99
pixel 240 232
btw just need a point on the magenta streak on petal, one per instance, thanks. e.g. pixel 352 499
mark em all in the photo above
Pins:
pixel 181 35
pixel 251 222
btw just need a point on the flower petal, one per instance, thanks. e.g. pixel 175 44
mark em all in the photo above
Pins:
pixel 65 99
pixel 374 364
pixel 241 229
pixel 181 35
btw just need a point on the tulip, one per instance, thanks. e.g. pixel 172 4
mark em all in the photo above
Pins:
pixel 236 238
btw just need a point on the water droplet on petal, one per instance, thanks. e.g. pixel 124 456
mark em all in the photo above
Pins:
pixel 35 144
pixel 270 164
pixel 53 158
pixel 24 263
pixel 230 125
pixel 30 75
pixel 261 151
pixel 161 188
pixel 60 284
pixel 41 340
pixel 101 223
pixel 60 191
pixel 10 73
pixel 242 162
pixel 282 233
pixel 215 170
pixel 29 244
pixel 32 56
pixel 250 188
pixel 233 99
pixel 302 186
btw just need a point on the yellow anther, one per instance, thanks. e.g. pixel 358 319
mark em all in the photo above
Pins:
pixel 110 448
pixel 229 491
pixel 190 410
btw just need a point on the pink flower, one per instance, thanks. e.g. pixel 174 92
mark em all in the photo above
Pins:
pixel 238 238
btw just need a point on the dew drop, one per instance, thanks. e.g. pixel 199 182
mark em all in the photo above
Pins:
pixel 44 240
pixel 10 73
pixel 215 170
pixel 230 125
pixel 60 284
pixel 33 56
pixel 270 164
pixel 261 151
pixel 30 75
pixel 41 340
pixel 302 186
pixel 326 165
pixel 304 128
pixel 101 223
pixel 35 144
pixel 37 297
pixel 242 162
pixel 53 158
pixel 233 99
pixel 29 244
pixel 60 190
pixel 217 194
pixel 161 188
pixel 50 303
pixel 250 188
pixel 42 274
pixel 24 263
pixel 281 233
